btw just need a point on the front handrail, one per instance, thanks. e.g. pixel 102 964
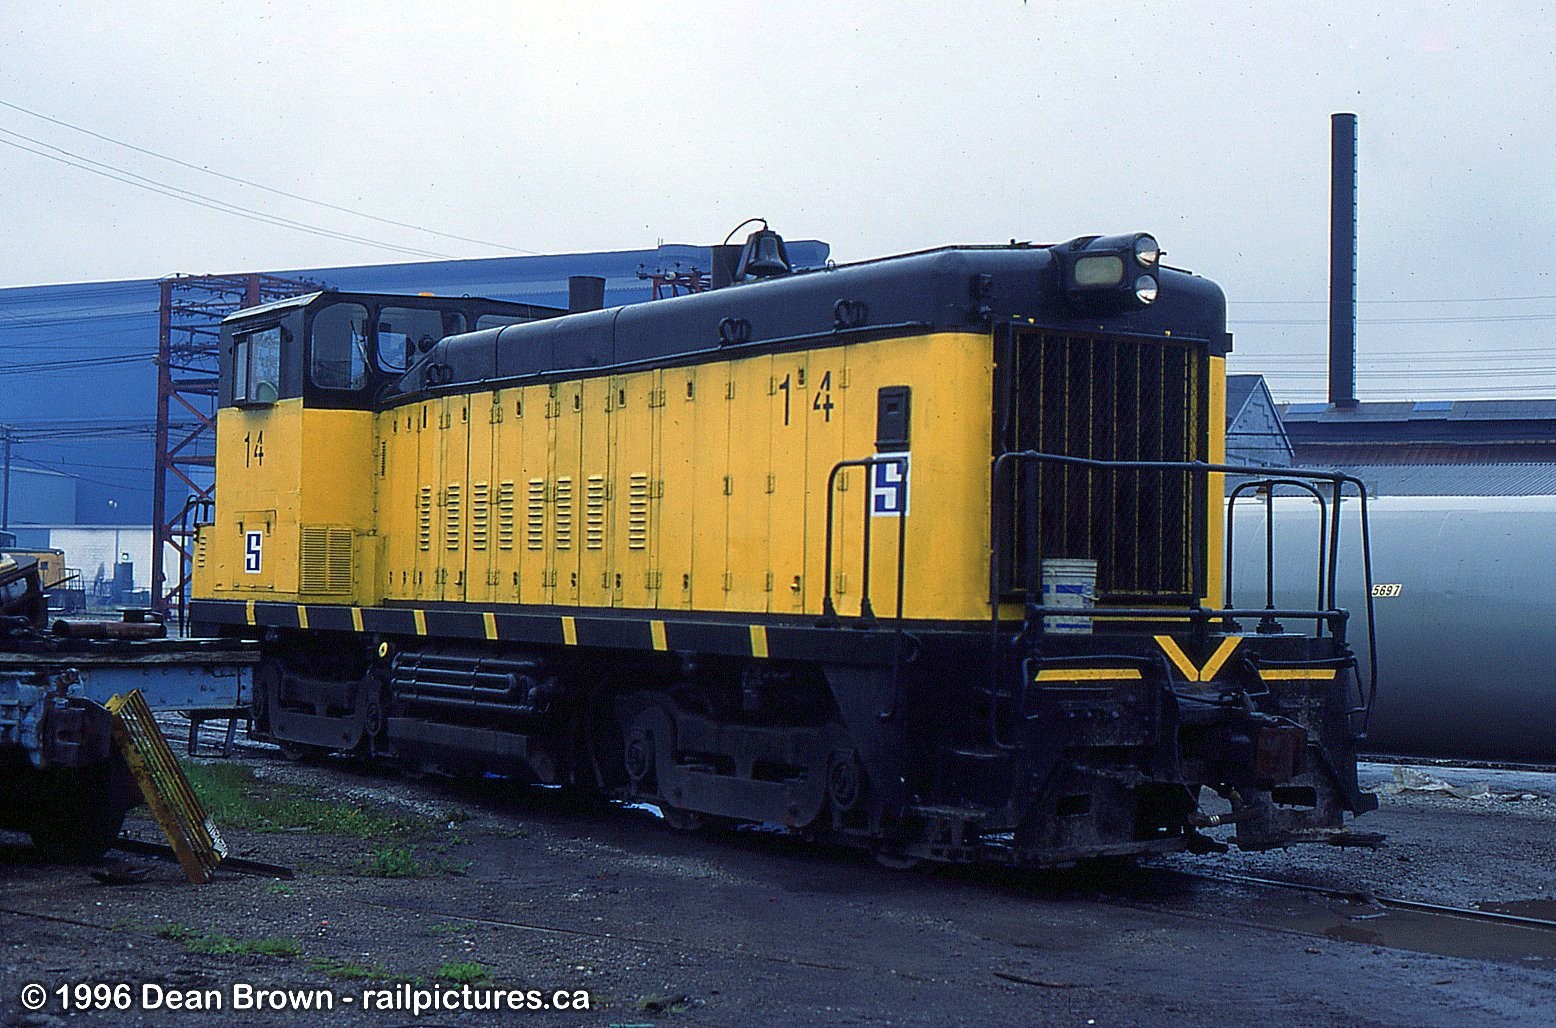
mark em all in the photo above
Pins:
pixel 1198 615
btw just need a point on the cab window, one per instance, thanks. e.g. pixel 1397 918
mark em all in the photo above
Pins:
pixel 404 333
pixel 256 366
pixel 340 347
pixel 500 320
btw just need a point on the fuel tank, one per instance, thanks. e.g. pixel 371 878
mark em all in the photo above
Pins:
pixel 1464 597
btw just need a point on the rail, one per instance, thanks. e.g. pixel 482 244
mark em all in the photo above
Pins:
pixel 1200 617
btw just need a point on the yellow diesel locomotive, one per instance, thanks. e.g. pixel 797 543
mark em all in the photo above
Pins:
pixel 921 554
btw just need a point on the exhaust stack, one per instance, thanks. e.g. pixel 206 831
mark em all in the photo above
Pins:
pixel 1342 261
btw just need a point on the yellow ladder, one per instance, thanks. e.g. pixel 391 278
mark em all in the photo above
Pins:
pixel 194 839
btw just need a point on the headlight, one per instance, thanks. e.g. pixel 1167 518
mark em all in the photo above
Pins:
pixel 1099 270
pixel 1147 253
pixel 1145 289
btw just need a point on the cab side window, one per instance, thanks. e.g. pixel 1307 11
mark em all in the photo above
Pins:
pixel 404 333
pixel 256 366
pixel 340 347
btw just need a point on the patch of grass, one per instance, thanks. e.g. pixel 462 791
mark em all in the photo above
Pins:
pixel 212 942
pixel 235 798
pixel 445 928
pixel 402 862
pixel 351 971
pixel 465 972
pixel 279 888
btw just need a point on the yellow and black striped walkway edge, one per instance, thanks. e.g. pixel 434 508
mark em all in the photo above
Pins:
pixel 178 811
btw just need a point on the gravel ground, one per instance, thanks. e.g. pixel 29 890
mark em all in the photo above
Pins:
pixel 753 928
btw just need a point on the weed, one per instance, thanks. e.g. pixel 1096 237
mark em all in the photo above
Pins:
pixel 402 862
pixel 445 928
pixel 279 888
pixel 465 972
pixel 351 971
pixel 235 798
pixel 196 941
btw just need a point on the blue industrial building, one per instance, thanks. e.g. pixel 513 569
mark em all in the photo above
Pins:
pixel 78 379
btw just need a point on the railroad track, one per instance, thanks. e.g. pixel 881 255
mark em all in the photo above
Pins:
pixel 1355 915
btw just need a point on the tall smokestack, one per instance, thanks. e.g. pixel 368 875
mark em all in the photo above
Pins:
pixel 1342 260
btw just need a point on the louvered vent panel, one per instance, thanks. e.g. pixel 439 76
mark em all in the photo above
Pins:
pixel 594 513
pixel 505 516
pixel 535 520
pixel 324 564
pixel 339 560
pixel 637 512
pixel 453 510
pixel 564 512
pixel 424 518
pixel 480 515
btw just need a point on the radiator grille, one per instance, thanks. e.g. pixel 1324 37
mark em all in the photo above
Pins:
pixel 1114 399
pixel 325 564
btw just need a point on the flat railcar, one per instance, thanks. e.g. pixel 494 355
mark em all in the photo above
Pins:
pixel 921 554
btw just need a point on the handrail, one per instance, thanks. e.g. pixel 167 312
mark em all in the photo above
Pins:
pixel 829 615
pixel 866 610
pixel 1337 481
pixel 1268 485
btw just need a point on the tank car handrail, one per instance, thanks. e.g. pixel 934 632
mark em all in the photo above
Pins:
pixel 1337 479
pixel 1268 485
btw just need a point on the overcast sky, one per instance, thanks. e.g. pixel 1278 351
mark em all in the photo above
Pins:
pixel 879 127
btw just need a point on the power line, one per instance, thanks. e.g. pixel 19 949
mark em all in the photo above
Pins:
pixel 130 178
pixel 106 360
pixel 1460 299
pixel 1486 319
pixel 258 185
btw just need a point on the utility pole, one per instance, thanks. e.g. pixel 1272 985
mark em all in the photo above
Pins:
pixel 5 491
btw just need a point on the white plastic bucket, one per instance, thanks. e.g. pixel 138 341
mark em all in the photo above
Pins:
pixel 1069 582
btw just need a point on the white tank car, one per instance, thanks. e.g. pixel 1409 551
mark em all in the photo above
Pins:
pixel 1464 594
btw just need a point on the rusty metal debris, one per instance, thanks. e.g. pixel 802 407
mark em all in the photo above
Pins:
pixel 177 809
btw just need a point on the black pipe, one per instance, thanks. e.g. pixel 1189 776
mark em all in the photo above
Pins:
pixel 1342 261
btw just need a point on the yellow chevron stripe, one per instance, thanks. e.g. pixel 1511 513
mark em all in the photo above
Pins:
pixel 759 641
pixel 490 620
pixel 656 632
pixel 356 618
pixel 420 617
pixel 302 616
pixel 569 630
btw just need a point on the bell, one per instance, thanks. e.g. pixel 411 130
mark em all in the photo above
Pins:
pixel 764 256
